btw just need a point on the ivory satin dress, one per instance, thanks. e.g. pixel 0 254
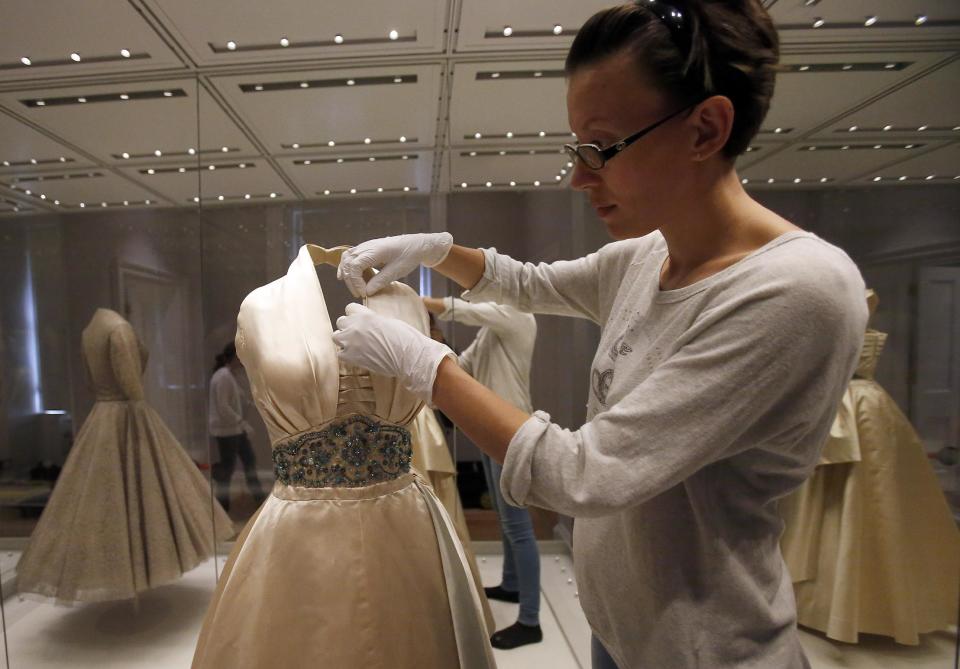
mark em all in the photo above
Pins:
pixel 351 562
pixel 130 510
pixel 869 539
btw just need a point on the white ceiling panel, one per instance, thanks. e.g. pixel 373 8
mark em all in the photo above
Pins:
pixel 524 106
pixel 232 179
pixel 939 166
pixel 359 173
pixel 257 28
pixel 24 149
pixel 932 102
pixel 802 12
pixel 48 32
pixel 97 188
pixel 532 24
pixel 328 109
pixel 522 168
pixel 803 100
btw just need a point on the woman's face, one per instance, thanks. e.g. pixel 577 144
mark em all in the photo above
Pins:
pixel 635 192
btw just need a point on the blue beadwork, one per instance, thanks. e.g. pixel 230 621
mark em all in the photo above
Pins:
pixel 348 453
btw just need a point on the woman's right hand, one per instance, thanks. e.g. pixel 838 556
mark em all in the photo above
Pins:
pixel 395 257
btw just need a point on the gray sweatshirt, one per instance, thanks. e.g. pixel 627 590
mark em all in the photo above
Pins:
pixel 708 403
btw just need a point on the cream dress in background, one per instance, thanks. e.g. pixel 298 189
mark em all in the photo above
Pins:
pixel 869 539
pixel 351 562
pixel 130 510
pixel 432 458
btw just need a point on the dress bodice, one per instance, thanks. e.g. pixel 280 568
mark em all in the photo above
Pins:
pixel 873 342
pixel 329 424
pixel 114 356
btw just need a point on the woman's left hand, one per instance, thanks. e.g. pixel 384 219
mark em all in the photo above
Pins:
pixel 389 347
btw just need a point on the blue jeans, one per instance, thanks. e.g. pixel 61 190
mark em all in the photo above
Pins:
pixel 599 657
pixel 521 557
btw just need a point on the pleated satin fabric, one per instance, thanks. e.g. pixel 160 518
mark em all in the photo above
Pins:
pixel 130 510
pixel 372 576
pixel 869 540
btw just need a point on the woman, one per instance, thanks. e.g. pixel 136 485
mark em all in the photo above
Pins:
pixel 728 336
pixel 231 431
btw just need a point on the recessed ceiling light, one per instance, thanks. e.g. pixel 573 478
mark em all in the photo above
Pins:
pixel 778 130
pixel 103 204
pixel 6 163
pixel 909 146
pixel 33 161
pixel 847 67
pixel 503 153
pixel 124 96
pixel 295 145
pixel 771 180
pixel 63 159
pixel 372 159
pixel 931 176
pixel 844 147
pixel 366 140
pixel 182 170
pixel 26 61
pixel 536 183
pixel 406 157
pixel 220 197
pixel 902 179
pixel 473 153
pixel 878 178
pixel 797 180
pixel 350 82
pixel 284 42
pixel 243 166
pixel 338 38
pixel 225 149
pixel 57 202
pixel 75 57
pixel 494 75
pixel 852 128
pixel 353 191
pixel 804 68
pixel 232 45
pixel 304 84
pixel 538 74
pixel 326 192
pixel 890 66
pixel 406 189
pixel 557 29
pixel 125 155
pixel 887 127
pixel 273 195
pixel 402 138
pixel 83 204
pixel 246 196
pixel 513 183
pixel 744 181
pixel 380 189
pixel 191 151
pixel 258 87
pixel 81 100
pixel 158 153
pixel 125 53
pixel 212 167
pixel 339 160
pixel 878 146
pixel 331 143
pixel 42 196
pixel 922 128
pixel 168 94
pixel 509 135
pixel 870 21
pixel 507 31
pixel 393 34
pixel 818 22
pixel 398 80
pixel 41 103
pixel 489 184
pixel 811 148
pixel 558 177
pixel 920 20
pixel 463 184
pixel 810 3
pixel 956 127
pixel 532 152
pixel 28 192
pixel 306 162
pixel 151 171
pixel 195 199
pixel 477 135
pixel 824 180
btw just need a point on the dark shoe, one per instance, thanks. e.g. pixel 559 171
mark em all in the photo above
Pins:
pixel 516 635
pixel 498 593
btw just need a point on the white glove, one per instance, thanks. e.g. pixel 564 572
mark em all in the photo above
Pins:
pixel 395 257
pixel 389 347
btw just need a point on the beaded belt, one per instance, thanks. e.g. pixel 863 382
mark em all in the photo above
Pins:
pixel 347 452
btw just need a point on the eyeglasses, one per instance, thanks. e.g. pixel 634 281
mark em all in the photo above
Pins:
pixel 595 157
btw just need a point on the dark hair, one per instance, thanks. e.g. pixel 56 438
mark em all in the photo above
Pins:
pixel 225 358
pixel 734 51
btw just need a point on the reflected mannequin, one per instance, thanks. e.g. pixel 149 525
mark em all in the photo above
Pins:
pixel 869 539
pixel 131 510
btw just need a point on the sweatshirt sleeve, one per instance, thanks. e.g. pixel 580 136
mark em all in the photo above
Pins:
pixel 759 370
pixel 483 314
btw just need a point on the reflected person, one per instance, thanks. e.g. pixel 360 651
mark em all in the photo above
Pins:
pixel 499 357
pixel 229 428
